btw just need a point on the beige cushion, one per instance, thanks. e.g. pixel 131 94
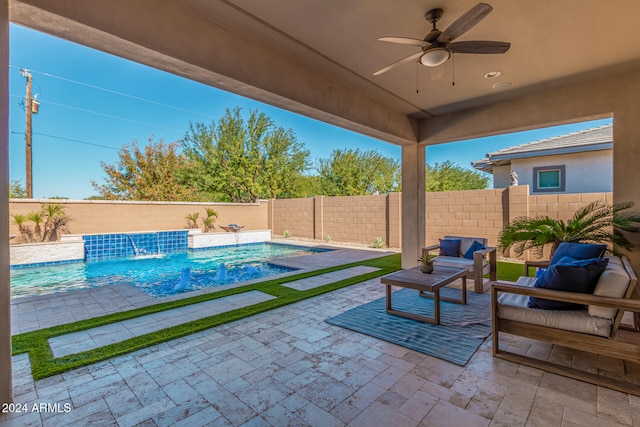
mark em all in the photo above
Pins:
pixel 466 242
pixel 613 282
pixel 514 307
pixel 449 261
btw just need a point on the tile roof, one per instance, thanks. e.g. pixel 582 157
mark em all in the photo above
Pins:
pixel 599 138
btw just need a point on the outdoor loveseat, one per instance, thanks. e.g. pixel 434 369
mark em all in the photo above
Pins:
pixel 594 328
pixel 479 261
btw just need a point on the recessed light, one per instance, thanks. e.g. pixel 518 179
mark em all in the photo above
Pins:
pixel 503 85
pixel 492 74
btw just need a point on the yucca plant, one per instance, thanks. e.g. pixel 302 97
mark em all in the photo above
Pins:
pixel 597 222
pixel 378 242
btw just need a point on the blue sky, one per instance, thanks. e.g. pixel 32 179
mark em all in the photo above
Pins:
pixel 93 103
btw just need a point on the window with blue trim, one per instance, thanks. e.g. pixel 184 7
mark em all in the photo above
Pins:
pixel 549 178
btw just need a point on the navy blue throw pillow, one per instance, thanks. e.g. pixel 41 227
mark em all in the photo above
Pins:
pixel 578 251
pixel 450 247
pixel 476 246
pixel 572 275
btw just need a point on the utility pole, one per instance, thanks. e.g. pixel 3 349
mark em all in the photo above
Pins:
pixel 27 133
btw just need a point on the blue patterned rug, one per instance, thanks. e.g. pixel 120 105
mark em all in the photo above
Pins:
pixel 462 330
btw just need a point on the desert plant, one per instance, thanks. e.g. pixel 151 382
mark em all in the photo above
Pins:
pixel 207 221
pixel 48 223
pixel 55 221
pixel 286 234
pixel 192 220
pixel 26 232
pixel 597 222
pixel 328 239
pixel 37 218
pixel 425 258
pixel 378 243
pixel 426 262
pixel 58 224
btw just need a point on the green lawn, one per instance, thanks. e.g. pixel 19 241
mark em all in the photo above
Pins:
pixel 510 271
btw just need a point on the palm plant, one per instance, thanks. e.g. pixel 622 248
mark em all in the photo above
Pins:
pixel 59 223
pixel 192 220
pixel 54 219
pixel 208 221
pixel 26 232
pixel 597 222
pixel 37 218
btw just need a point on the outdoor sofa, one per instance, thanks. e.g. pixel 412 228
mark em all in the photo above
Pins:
pixel 471 253
pixel 595 327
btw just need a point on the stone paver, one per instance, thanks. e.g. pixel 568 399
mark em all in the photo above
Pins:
pixel 325 279
pixel 288 367
pixel 116 332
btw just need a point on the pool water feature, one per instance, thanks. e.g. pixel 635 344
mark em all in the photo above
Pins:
pixel 159 274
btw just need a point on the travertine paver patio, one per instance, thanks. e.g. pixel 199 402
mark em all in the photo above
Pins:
pixel 289 367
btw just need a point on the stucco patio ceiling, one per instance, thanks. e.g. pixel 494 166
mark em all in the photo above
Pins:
pixel 317 57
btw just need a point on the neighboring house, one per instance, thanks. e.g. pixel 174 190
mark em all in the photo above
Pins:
pixel 579 162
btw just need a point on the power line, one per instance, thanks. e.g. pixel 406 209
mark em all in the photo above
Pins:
pixel 69 139
pixel 99 113
pixel 108 115
pixel 150 101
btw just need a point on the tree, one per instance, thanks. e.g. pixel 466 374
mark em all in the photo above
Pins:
pixel 16 190
pixel 306 186
pixel 155 172
pixel 244 160
pixel 448 176
pixel 597 222
pixel 355 173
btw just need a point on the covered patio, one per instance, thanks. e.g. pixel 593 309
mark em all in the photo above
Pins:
pixel 569 61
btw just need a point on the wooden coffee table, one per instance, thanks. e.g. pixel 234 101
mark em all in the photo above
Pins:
pixel 413 278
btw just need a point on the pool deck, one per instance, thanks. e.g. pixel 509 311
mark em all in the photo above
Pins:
pixel 288 367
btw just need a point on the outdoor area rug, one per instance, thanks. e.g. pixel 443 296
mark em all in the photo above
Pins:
pixel 462 330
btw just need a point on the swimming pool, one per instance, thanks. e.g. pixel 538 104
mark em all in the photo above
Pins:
pixel 159 274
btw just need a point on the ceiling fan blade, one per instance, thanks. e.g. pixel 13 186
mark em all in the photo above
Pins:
pixel 400 62
pixel 465 22
pixel 404 40
pixel 479 47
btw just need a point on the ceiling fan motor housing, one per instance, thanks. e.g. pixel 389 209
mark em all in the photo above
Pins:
pixel 433 16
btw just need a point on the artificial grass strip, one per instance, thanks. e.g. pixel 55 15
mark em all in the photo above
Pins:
pixel 44 364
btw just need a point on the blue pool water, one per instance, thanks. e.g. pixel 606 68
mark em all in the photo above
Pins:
pixel 159 274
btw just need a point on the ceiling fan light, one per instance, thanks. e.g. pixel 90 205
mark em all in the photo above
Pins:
pixel 434 57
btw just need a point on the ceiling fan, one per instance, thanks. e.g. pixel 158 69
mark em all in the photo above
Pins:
pixel 438 46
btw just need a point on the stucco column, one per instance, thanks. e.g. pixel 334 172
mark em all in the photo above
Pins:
pixel 413 203
pixel 5 294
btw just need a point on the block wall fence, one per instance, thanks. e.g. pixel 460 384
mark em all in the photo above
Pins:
pixel 98 216
pixel 361 219
pixel 356 219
